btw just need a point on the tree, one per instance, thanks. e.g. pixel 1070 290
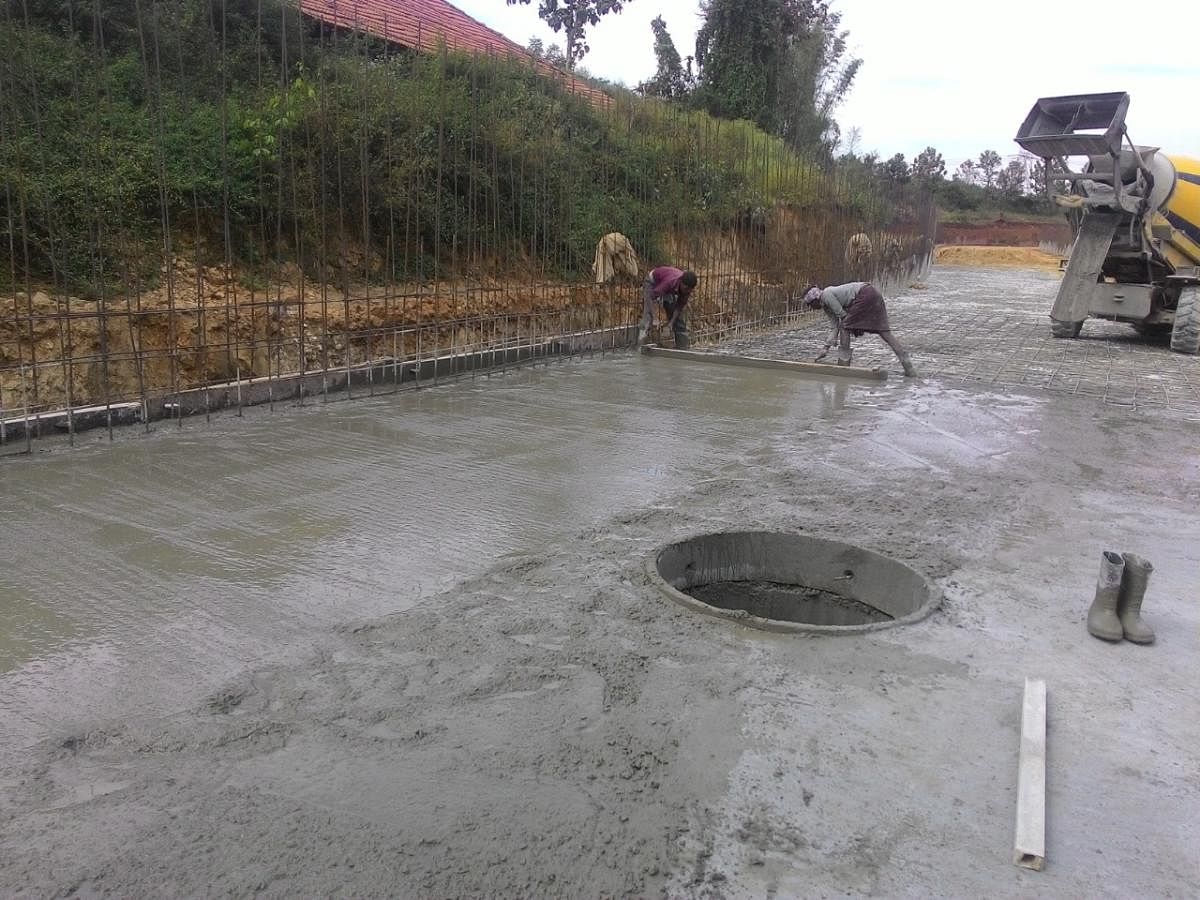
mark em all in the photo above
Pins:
pixel 573 17
pixel 669 81
pixel 739 52
pixel 989 165
pixel 929 166
pixel 816 78
pixel 781 64
pixel 895 170
pixel 851 143
pixel 959 195
pixel 1011 179
pixel 552 54
pixel 1037 177
pixel 967 172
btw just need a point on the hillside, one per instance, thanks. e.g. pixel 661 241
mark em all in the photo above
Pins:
pixel 263 137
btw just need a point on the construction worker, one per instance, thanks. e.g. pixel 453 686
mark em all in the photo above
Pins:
pixel 670 288
pixel 855 308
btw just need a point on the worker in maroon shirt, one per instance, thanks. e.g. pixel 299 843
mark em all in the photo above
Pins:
pixel 671 288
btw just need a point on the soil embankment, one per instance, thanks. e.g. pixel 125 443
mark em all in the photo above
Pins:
pixel 1003 233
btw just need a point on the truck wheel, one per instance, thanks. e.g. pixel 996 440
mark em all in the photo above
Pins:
pixel 1185 335
pixel 1062 329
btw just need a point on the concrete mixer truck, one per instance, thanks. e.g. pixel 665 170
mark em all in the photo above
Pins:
pixel 1135 213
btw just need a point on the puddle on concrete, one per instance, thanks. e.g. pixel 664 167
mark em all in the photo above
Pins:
pixel 27 628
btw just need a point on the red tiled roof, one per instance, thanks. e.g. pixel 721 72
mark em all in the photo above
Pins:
pixel 425 24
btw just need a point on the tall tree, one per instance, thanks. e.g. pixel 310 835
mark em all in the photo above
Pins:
pixel 670 80
pixel 739 51
pixel 779 63
pixel 1037 178
pixel 989 165
pixel 1011 180
pixel 816 78
pixel 895 170
pixel 967 172
pixel 573 18
pixel 929 166
pixel 851 142
pixel 552 54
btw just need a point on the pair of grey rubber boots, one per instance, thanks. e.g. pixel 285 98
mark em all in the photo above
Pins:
pixel 1116 612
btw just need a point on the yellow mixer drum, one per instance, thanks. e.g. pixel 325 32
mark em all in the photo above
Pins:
pixel 1182 211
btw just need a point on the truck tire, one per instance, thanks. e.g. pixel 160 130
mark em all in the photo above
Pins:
pixel 1062 329
pixel 1185 334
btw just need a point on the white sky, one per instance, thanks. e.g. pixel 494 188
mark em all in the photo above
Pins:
pixel 954 74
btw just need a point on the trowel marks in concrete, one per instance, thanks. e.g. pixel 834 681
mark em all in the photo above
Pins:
pixel 147 570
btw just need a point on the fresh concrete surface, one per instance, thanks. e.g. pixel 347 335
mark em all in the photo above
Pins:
pixel 406 646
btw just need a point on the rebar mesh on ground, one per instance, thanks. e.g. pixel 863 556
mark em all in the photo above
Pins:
pixel 1014 349
pixel 199 198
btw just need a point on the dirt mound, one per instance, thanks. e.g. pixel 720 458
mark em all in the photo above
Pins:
pixel 1017 257
pixel 1002 233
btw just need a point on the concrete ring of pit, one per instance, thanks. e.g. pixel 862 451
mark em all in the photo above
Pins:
pixel 855 576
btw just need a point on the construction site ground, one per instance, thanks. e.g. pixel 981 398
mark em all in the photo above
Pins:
pixel 406 646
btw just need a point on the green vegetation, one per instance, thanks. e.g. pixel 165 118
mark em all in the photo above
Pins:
pixel 572 18
pixel 980 190
pixel 244 133
pixel 782 64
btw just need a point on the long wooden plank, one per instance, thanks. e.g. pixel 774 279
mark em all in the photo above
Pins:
pixel 756 362
pixel 1029 847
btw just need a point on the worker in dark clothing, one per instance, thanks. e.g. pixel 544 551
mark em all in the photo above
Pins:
pixel 855 309
pixel 671 288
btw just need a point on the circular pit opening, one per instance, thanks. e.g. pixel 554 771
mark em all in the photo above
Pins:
pixel 790 582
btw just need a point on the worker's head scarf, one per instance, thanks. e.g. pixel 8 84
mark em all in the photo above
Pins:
pixel 812 297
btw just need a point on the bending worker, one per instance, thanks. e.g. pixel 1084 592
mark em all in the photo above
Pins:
pixel 671 288
pixel 855 309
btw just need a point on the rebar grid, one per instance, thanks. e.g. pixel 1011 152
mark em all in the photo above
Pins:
pixel 321 249
pixel 972 327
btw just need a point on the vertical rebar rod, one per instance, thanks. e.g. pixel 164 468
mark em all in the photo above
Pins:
pixel 28 432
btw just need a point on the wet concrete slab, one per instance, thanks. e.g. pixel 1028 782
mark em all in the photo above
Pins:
pixel 989 327
pixel 208 548
pixel 406 646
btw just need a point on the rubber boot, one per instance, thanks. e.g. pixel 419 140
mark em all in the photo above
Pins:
pixel 906 363
pixel 1129 604
pixel 1102 620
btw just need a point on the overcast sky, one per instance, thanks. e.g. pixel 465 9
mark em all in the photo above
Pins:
pixel 957 75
